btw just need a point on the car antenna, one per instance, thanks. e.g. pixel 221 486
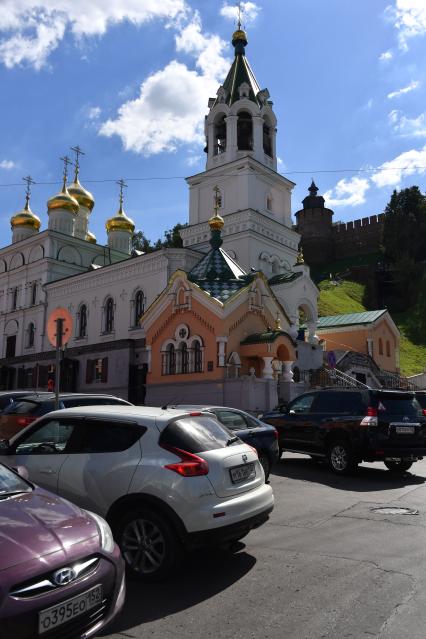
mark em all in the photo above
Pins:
pixel 170 403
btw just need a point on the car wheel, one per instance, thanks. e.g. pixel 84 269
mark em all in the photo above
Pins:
pixel 398 466
pixel 266 465
pixel 340 458
pixel 148 544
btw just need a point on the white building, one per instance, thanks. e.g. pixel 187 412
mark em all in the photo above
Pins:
pixel 107 289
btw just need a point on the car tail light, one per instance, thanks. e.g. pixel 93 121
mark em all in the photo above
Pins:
pixel 424 411
pixel 189 466
pixel 195 414
pixel 370 419
pixel 276 433
pixel 25 421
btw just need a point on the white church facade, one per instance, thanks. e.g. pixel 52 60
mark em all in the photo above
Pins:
pixel 109 289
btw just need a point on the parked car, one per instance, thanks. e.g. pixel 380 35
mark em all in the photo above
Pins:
pixel 165 480
pixel 62 575
pixel 28 408
pixel 263 437
pixel 349 426
pixel 7 397
pixel 421 398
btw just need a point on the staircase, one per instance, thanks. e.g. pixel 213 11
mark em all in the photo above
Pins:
pixel 333 377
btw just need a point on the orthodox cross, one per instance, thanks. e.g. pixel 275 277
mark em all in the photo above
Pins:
pixel 77 152
pixel 121 183
pixel 66 161
pixel 29 182
pixel 216 200
pixel 239 15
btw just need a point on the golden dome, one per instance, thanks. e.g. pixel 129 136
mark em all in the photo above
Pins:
pixel 216 222
pixel 120 222
pixel 25 218
pixel 79 193
pixel 90 237
pixel 239 36
pixel 63 200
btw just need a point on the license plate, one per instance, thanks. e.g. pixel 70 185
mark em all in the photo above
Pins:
pixel 69 609
pixel 404 430
pixel 242 473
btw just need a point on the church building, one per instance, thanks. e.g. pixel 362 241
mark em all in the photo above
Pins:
pixel 216 320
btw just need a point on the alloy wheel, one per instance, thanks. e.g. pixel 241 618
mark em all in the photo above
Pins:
pixel 143 546
pixel 339 457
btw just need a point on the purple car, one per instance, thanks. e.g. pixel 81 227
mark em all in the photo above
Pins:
pixel 61 574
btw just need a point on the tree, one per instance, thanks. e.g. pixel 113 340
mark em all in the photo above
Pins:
pixel 141 243
pixel 172 239
pixel 405 225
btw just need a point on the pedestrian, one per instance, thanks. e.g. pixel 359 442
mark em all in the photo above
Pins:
pixel 50 384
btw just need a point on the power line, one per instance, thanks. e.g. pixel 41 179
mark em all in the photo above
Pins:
pixel 217 175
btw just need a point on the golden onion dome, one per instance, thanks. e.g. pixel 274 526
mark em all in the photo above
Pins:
pixel 79 193
pixel 90 237
pixel 239 36
pixel 63 200
pixel 216 222
pixel 120 222
pixel 25 218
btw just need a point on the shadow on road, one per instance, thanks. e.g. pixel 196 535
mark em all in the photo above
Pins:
pixel 203 575
pixel 365 479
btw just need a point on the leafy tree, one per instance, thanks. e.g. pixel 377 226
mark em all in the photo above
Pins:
pixel 404 232
pixel 171 239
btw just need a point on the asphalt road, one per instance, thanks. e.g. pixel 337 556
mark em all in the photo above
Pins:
pixel 324 566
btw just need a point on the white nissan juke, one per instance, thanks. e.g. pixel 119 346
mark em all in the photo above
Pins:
pixel 166 480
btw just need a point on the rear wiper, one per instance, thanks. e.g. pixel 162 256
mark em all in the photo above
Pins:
pixel 232 440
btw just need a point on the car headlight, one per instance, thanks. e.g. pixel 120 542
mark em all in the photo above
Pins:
pixel 107 540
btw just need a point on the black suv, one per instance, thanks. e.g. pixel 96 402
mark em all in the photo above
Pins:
pixel 349 426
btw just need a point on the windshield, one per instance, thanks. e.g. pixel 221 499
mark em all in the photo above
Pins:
pixel 23 407
pixel 397 404
pixel 197 435
pixel 11 483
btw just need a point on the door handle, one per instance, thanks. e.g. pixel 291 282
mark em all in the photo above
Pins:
pixel 47 471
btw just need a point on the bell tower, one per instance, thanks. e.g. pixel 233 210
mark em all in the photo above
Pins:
pixel 241 174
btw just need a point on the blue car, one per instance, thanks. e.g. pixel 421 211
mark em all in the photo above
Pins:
pixel 252 431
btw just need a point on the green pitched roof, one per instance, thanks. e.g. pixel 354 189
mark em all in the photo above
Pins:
pixel 240 72
pixel 349 319
pixel 217 273
pixel 264 338
pixel 288 276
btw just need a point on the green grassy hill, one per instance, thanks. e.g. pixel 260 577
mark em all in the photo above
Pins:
pixel 347 297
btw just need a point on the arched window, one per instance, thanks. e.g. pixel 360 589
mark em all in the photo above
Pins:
pixel 31 335
pixel 269 202
pixel 267 139
pixel 139 307
pixel 388 349
pixel 245 131
pixel 198 357
pixel 34 294
pixel 14 298
pixel 171 360
pixel 219 135
pixel 380 346
pixel 184 358
pixel 109 315
pixel 82 321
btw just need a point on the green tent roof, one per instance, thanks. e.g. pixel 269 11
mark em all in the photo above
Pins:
pixel 267 337
pixel 349 319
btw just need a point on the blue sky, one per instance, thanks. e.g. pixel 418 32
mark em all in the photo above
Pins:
pixel 129 80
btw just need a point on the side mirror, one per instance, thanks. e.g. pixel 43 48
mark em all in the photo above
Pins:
pixel 22 472
pixel 4 446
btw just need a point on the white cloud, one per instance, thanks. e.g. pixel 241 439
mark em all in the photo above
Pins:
pixel 31 29
pixel 386 56
pixel 408 127
pixel 249 12
pixel 411 87
pixel 408 163
pixel 193 160
pixel 347 192
pixel 94 113
pixel 172 102
pixel 7 165
pixel 409 18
